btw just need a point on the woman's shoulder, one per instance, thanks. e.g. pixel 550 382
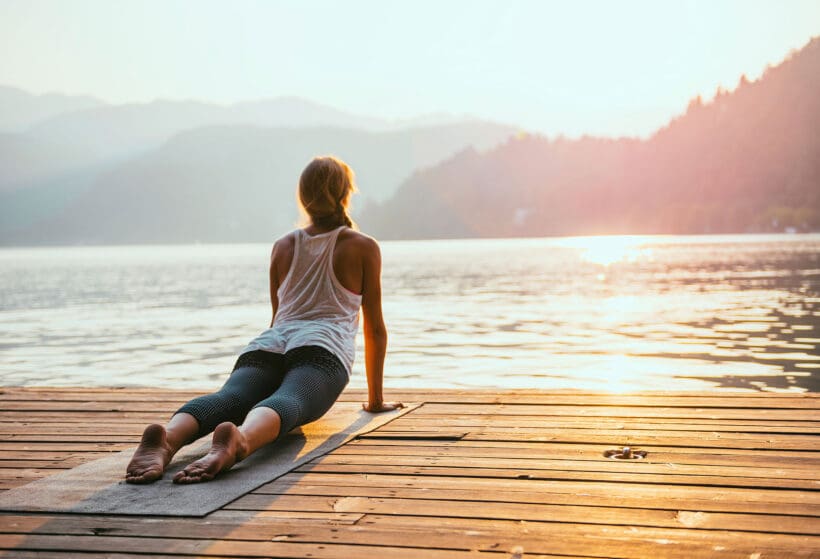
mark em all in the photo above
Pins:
pixel 283 246
pixel 288 237
pixel 358 240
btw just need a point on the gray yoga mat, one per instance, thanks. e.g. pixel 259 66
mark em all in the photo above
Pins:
pixel 98 487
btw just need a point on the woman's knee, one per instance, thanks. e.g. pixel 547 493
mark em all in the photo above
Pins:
pixel 246 385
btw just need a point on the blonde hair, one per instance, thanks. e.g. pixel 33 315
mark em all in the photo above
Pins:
pixel 325 187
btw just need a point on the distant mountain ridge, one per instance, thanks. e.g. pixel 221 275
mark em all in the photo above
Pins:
pixel 133 127
pixel 221 183
pixel 19 110
pixel 77 170
pixel 127 128
pixel 747 161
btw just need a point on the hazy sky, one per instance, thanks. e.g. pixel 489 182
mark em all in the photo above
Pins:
pixel 600 67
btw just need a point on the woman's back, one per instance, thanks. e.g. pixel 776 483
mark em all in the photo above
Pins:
pixel 350 253
pixel 316 277
pixel 310 289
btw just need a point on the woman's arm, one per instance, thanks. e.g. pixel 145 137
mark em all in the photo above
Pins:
pixel 375 332
pixel 273 275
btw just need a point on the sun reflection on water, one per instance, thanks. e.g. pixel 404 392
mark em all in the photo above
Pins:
pixel 607 250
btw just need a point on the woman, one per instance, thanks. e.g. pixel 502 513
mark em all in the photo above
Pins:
pixel 294 371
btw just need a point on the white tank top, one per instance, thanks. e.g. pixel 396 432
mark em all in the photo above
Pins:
pixel 314 307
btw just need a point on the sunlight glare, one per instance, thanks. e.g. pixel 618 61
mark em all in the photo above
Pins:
pixel 607 250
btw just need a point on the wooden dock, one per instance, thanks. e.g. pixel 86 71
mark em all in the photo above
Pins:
pixel 478 473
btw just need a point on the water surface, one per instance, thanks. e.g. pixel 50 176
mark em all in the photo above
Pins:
pixel 603 313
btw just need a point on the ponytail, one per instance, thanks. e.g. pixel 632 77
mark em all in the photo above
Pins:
pixel 341 213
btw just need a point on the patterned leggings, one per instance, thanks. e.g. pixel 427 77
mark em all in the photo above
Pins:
pixel 300 385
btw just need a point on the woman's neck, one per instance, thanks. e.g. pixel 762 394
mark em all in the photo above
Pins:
pixel 314 229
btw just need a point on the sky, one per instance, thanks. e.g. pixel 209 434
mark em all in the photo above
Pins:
pixel 608 68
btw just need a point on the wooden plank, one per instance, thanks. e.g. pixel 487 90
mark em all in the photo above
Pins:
pixel 569 419
pixel 212 547
pixel 69 438
pixel 457 491
pixel 50 446
pixel 40 464
pixel 615 437
pixel 547 447
pixel 541 512
pixel 625 477
pixel 480 395
pixel 654 495
pixel 107 390
pixel 738 426
pixel 55 554
pixel 141 526
pixel 602 465
pixel 545 451
pixel 76 428
pixel 137 418
pixel 28 455
pixel 618 400
pixel 617 541
pixel 415 435
pixel 61 398
pixel 421 533
pixel 160 408
pixel 620 412
pixel 24 474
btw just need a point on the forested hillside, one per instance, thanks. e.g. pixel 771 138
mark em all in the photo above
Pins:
pixel 745 161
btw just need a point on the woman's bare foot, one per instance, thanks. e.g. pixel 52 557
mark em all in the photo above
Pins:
pixel 151 456
pixel 229 446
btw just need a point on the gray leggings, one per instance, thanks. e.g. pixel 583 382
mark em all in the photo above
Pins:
pixel 300 385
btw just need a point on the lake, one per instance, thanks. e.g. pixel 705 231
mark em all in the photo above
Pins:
pixel 602 313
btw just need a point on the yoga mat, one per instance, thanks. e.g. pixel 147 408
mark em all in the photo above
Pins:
pixel 99 487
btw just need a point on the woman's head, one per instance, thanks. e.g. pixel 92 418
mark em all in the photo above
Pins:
pixel 324 191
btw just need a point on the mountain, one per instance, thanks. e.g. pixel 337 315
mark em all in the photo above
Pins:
pixel 114 130
pixel 748 160
pixel 19 109
pixel 39 177
pixel 25 160
pixel 225 183
pixel 295 112
pixel 62 169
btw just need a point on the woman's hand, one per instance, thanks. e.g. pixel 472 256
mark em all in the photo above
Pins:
pixel 384 406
